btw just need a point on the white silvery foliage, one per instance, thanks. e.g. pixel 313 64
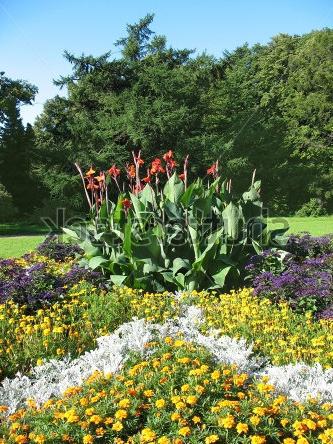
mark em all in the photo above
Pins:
pixel 301 382
pixel 54 377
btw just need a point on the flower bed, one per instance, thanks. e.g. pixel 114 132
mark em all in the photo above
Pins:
pixel 192 367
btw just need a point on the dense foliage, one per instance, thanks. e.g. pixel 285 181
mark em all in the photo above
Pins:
pixel 35 282
pixel 177 395
pixel 266 107
pixel 83 363
pixel 164 232
pixel 16 150
pixel 302 275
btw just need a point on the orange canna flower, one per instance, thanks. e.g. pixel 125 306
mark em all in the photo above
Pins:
pixel 91 172
pixel 156 166
pixel 101 177
pixel 92 186
pixel 131 171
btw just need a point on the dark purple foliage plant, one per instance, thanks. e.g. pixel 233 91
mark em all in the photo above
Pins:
pixel 302 275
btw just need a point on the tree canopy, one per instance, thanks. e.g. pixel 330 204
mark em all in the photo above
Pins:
pixel 267 107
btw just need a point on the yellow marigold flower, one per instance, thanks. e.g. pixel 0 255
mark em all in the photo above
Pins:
pixel 121 414
pixel 39 439
pixel 242 427
pixel 147 435
pixel 215 376
pixel 289 441
pixel 88 439
pixel 257 439
pixel 124 403
pixel 184 360
pixel 196 419
pixel 90 411
pixel 178 343
pixel 260 411
pixel 95 419
pixel 39 361
pixel 284 422
pixel 100 431
pixel 302 440
pixel 184 431
pixel 163 440
pixel 211 439
pixel 168 340
pixel 310 424
pixel 149 393
pixel 255 420
pixel 160 403
pixel 185 387
pixel 228 422
pixel 21 439
pixel 180 405
pixel 117 426
pixel 192 400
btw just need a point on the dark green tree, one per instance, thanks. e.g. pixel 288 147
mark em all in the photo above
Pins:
pixel 17 144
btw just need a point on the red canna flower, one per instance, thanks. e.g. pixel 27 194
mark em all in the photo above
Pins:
pixel 182 176
pixel 147 179
pixel 168 156
pixel 213 169
pixel 126 203
pixel 114 171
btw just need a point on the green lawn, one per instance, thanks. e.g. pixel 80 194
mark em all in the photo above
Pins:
pixel 11 246
pixel 316 226
pixel 14 246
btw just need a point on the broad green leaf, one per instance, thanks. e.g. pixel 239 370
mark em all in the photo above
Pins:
pixel 174 188
pixel 220 277
pixel 232 218
pixel 179 264
pixel 96 261
pixel 118 213
pixel 118 279
pixel 70 233
pixel 128 237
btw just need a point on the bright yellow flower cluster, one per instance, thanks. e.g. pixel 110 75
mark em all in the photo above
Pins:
pixel 72 324
pixel 176 396
pixel 276 330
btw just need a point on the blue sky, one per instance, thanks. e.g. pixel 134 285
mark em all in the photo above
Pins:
pixel 34 33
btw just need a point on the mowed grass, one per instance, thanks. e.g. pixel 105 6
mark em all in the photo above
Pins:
pixel 15 246
pixel 317 226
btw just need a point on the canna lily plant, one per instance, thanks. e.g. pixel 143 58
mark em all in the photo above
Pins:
pixel 164 233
